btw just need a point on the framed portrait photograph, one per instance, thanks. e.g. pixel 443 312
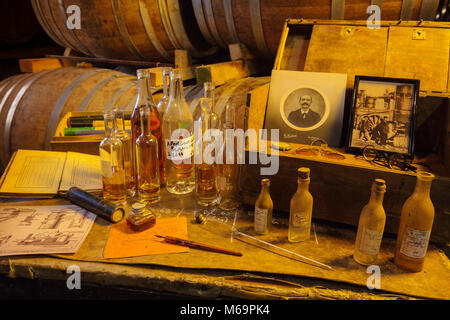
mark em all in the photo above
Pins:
pixel 306 106
pixel 383 115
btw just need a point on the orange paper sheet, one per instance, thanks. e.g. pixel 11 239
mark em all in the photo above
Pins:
pixel 124 242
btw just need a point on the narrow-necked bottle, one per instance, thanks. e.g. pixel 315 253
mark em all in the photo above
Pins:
pixel 209 92
pixel 228 164
pixel 147 161
pixel 415 226
pixel 125 137
pixel 371 226
pixel 112 162
pixel 205 169
pixel 164 102
pixel 145 98
pixel 178 132
pixel 263 209
pixel 301 209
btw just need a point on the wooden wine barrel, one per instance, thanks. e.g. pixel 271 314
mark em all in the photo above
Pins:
pixel 31 105
pixel 133 29
pixel 18 24
pixel 259 23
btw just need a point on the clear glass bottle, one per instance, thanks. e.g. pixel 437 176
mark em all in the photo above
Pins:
pixel 164 102
pixel 112 162
pixel 227 165
pixel 263 209
pixel 125 137
pixel 209 91
pixel 178 132
pixel 205 169
pixel 301 209
pixel 145 98
pixel 147 161
pixel 416 223
pixel 371 226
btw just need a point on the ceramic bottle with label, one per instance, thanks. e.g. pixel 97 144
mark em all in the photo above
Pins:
pixel 178 133
pixel 301 209
pixel 371 226
pixel 415 226
pixel 263 209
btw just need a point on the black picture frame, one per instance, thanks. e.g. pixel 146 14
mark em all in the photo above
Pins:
pixel 365 106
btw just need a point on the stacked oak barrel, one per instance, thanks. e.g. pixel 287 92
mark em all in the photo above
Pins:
pixel 31 105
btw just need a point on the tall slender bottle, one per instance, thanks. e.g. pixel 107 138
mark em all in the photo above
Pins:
pixel 209 92
pixel 145 98
pixel 205 169
pixel 164 102
pixel 301 209
pixel 112 162
pixel 147 161
pixel 125 137
pixel 263 209
pixel 228 165
pixel 178 132
pixel 416 223
pixel 371 226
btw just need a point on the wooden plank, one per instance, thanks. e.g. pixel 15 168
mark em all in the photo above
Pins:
pixel 182 59
pixel 39 64
pixel 156 76
pixel 222 72
pixel 256 104
pixel 356 51
pixel 419 53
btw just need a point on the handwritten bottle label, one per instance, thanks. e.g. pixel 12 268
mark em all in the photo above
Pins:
pixel 300 218
pixel 261 219
pixel 415 243
pixel 181 149
pixel 370 241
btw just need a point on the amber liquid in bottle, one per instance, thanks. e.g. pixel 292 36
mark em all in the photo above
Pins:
pixel 301 209
pixel 145 98
pixel 371 226
pixel 127 145
pixel 416 223
pixel 263 209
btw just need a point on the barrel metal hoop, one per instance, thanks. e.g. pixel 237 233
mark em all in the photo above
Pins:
pixel 428 9
pixel 176 22
pixel 407 9
pixel 13 108
pixel 11 89
pixel 123 29
pixel 66 43
pixel 54 116
pixel 196 100
pixel 83 106
pixel 131 104
pixel 200 16
pixel 80 46
pixel 230 20
pixel 116 96
pixel 151 32
pixel 163 11
pixel 337 9
pixel 212 23
pixel 257 27
pixel 40 15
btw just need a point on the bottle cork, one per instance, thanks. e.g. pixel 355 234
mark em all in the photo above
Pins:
pixel 379 184
pixel 304 173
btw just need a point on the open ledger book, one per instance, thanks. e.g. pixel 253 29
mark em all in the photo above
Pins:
pixel 45 174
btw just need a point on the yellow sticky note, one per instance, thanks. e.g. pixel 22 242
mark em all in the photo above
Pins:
pixel 124 242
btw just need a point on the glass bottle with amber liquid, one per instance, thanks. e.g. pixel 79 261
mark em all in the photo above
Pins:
pixel 125 137
pixel 263 209
pixel 147 161
pixel 205 167
pixel 208 93
pixel 164 102
pixel 178 132
pixel 415 226
pixel 301 209
pixel 112 162
pixel 228 164
pixel 145 98
pixel 371 226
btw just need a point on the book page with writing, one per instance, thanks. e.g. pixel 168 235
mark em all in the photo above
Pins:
pixel 82 171
pixel 34 172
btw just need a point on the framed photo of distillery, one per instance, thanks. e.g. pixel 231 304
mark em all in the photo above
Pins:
pixel 382 115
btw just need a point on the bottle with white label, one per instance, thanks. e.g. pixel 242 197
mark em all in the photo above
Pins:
pixel 112 162
pixel 178 133
pixel 301 209
pixel 415 226
pixel 263 209
pixel 371 226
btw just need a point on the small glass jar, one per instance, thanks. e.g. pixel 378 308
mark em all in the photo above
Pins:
pixel 140 218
